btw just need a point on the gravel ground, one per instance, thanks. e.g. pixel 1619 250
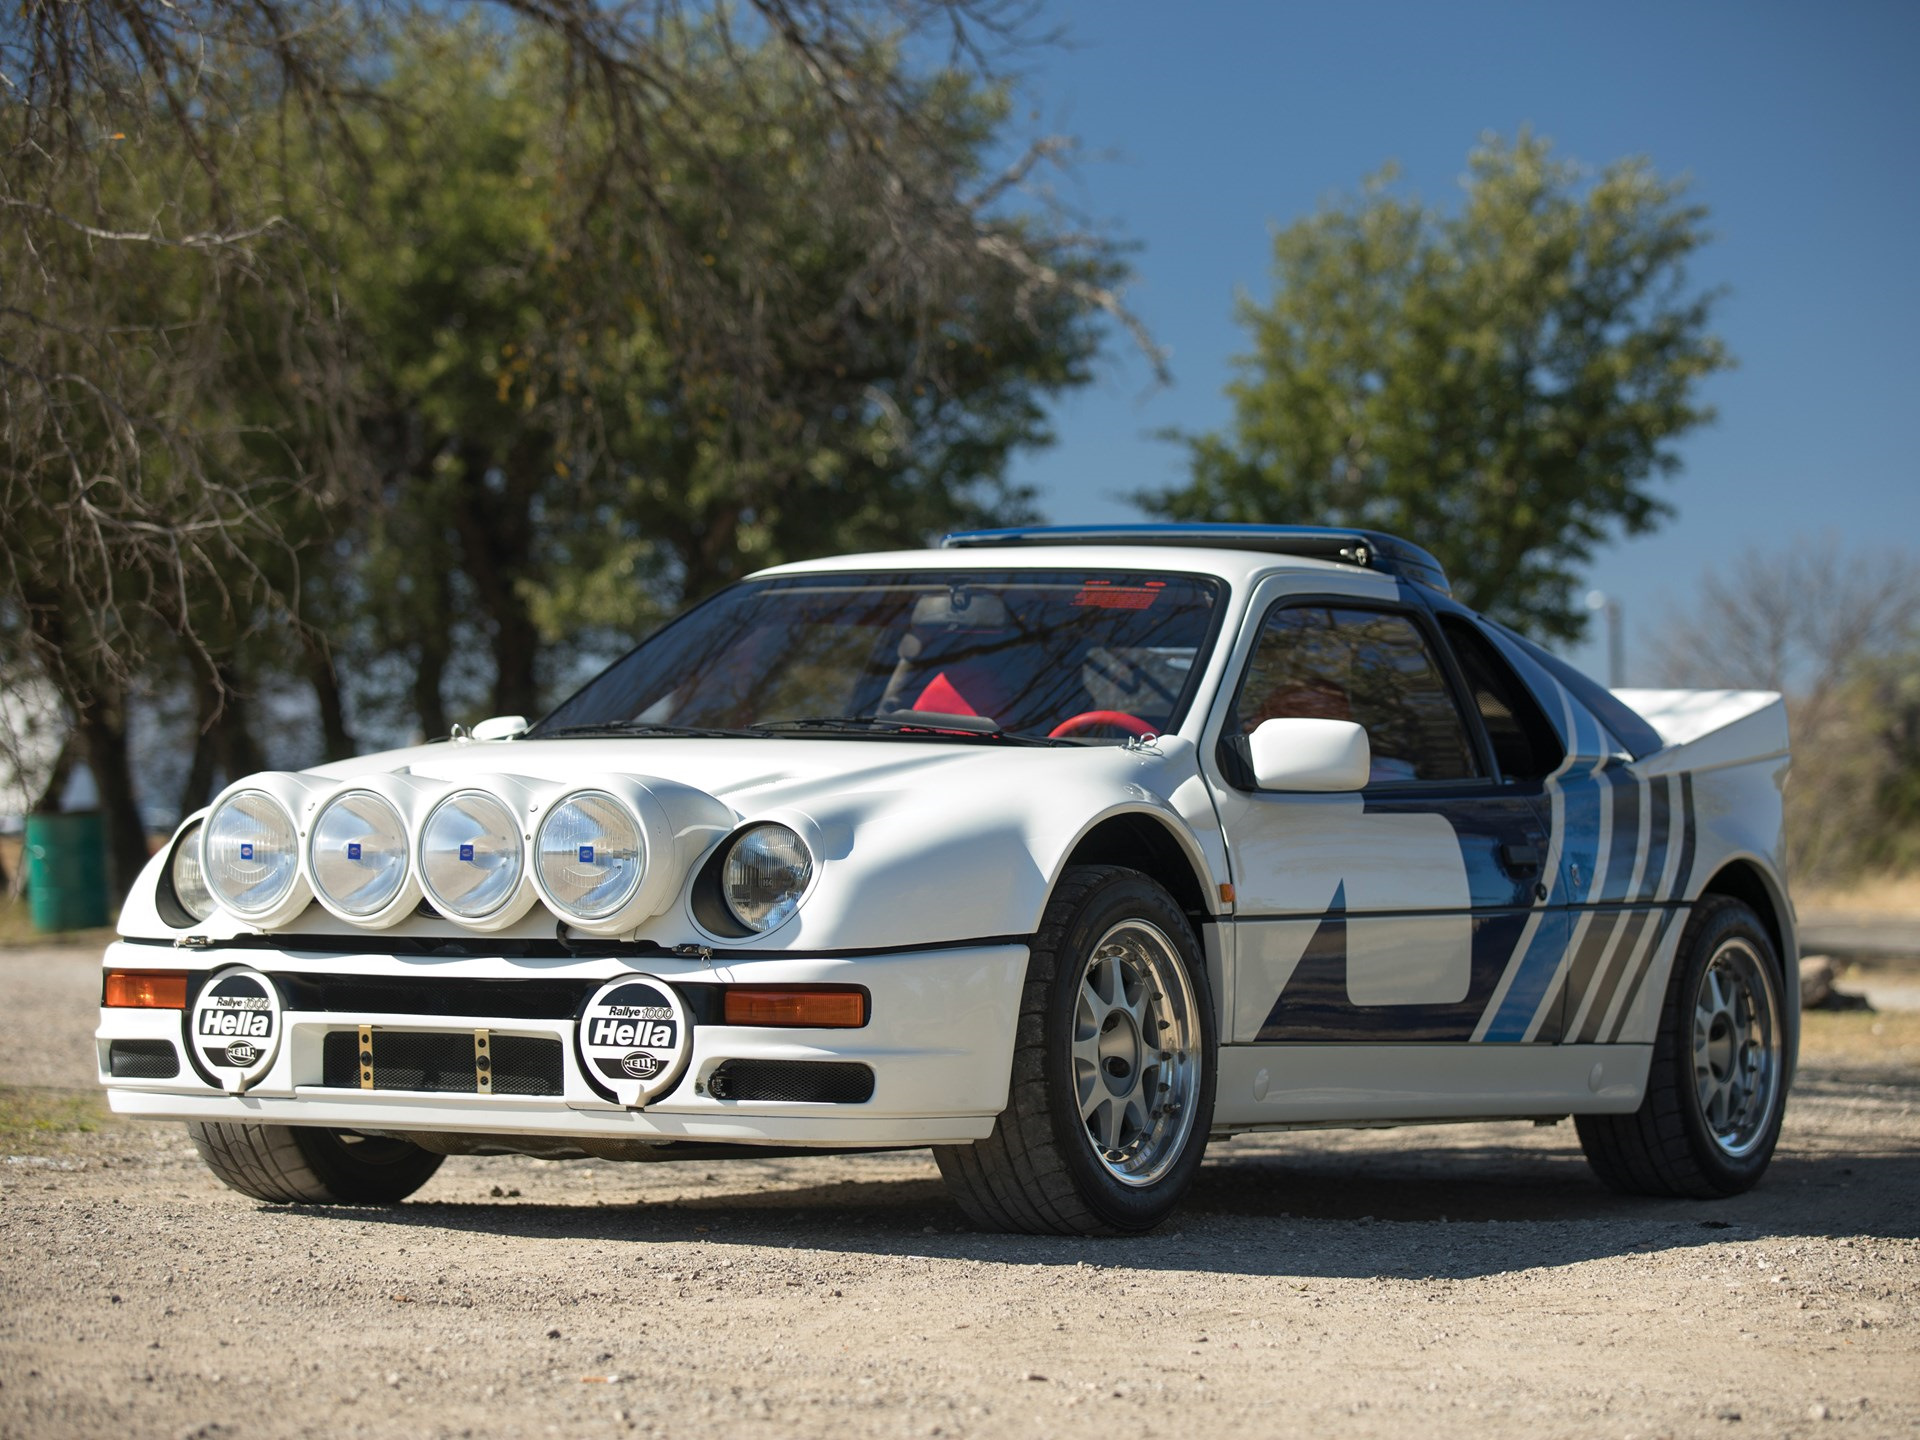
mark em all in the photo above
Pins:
pixel 1465 1280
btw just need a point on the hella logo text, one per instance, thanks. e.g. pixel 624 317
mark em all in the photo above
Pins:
pixel 629 1032
pixel 255 1023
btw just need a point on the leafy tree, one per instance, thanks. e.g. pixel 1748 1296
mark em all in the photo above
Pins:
pixel 1834 631
pixel 182 423
pixel 1501 384
pixel 557 465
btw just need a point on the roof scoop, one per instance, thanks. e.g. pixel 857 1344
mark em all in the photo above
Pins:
pixel 1374 549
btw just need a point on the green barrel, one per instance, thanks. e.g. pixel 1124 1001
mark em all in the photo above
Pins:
pixel 67 871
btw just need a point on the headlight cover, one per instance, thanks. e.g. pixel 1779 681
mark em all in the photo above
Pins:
pixel 588 855
pixel 765 874
pixel 357 854
pixel 250 856
pixel 471 855
pixel 188 879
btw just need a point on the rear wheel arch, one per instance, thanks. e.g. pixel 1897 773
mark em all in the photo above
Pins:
pixel 1746 882
pixel 1761 892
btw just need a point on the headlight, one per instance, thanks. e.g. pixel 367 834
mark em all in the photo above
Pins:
pixel 588 855
pixel 189 880
pixel 357 854
pixel 470 855
pixel 765 874
pixel 250 855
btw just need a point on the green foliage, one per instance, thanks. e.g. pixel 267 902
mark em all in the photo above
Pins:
pixel 1500 384
pixel 559 461
pixel 409 351
pixel 43 1121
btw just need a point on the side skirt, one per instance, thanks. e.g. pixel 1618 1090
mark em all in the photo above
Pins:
pixel 1293 1085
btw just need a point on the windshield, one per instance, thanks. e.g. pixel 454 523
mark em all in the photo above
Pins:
pixel 1067 655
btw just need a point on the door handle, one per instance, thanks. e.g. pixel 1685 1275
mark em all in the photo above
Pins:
pixel 1520 858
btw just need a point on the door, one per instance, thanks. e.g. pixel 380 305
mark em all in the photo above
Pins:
pixel 1386 916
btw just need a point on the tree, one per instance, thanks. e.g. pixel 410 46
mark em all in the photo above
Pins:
pixel 1833 631
pixel 179 405
pixel 556 470
pixel 1501 384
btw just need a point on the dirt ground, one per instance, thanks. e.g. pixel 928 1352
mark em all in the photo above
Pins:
pixel 1466 1280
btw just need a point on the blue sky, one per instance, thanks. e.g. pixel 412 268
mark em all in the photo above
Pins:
pixel 1798 125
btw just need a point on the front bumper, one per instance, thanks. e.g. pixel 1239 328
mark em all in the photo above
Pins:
pixel 939 1041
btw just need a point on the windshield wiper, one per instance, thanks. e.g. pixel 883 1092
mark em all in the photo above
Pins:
pixel 916 722
pixel 644 727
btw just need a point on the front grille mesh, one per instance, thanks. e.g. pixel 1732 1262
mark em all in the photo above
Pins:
pixel 441 1062
pixel 142 1060
pixel 816 1082
pixel 529 999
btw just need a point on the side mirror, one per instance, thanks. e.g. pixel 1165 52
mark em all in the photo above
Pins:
pixel 501 727
pixel 1320 756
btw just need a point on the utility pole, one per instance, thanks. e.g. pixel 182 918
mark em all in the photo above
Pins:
pixel 1616 637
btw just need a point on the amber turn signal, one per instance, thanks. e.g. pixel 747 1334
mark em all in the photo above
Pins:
pixel 145 990
pixel 796 1006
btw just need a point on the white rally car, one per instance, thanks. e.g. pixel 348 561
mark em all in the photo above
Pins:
pixel 1057 850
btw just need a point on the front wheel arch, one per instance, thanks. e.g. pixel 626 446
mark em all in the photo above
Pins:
pixel 1133 840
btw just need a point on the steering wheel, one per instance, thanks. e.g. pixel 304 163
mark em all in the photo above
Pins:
pixel 1093 719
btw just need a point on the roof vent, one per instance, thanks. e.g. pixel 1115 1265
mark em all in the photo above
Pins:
pixel 1386 553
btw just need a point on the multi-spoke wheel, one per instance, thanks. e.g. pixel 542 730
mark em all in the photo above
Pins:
pixel 1716 1086
pixel 1736 1047
pixel 1137 1059
pixel 1112 1088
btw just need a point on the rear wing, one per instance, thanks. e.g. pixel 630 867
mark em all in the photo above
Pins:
pixel 1709 729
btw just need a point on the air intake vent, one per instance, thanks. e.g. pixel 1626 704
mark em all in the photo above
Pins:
pixel 143 1060
pixel 553 999
pixel 814 1082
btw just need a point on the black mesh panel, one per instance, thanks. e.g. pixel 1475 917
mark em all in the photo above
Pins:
pixel 523 1065
pixel 143 1060
pixel 817 1082
pixel 435 995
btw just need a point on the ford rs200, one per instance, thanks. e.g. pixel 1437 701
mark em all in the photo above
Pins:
pixel 1061 851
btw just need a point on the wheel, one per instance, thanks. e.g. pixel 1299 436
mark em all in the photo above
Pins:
pixel 1113 1069
pixel 1716 1089
pixel 298 1164
pixel 1100 720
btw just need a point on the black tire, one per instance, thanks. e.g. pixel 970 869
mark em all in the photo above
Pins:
pixel 1668 1147
pixel 303 1165
pixel 1041 1171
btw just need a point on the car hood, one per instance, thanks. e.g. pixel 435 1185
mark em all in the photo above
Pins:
pixel 915 842
pixel 747 774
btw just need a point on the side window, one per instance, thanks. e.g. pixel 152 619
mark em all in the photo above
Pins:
pixel 1525 745
pixel 1373 667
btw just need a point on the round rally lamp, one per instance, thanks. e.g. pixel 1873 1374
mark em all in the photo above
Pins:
pixel 473 861
pixel 188 879
pixel 765 875
pixel 357 858
pixel 250 857
pixel 588 856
